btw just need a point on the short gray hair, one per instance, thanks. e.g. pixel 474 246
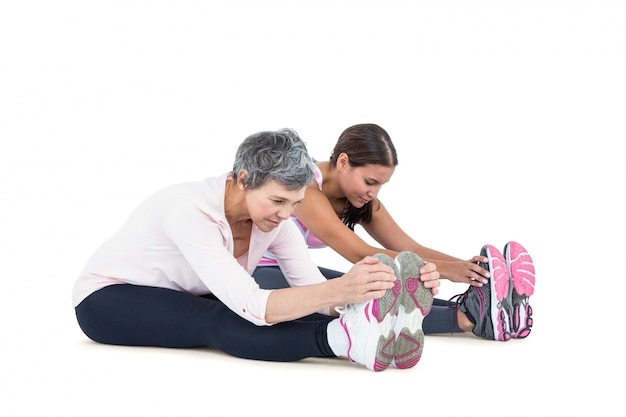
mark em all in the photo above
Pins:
pixel 279 155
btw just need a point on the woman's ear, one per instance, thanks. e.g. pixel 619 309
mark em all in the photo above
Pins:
pixel 343 161
pixel 241 179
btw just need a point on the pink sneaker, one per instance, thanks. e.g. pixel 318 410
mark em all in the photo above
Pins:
pixel 522 272
pixel 489 305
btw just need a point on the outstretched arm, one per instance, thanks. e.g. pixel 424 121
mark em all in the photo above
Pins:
pixel 386 231
pixel 367 280
pixel 322 219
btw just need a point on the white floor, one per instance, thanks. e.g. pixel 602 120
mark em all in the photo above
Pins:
pixel 507 116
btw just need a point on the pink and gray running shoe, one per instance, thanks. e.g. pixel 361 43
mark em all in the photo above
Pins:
pixel 369 326
pixel 489 306
pixel 415 303
pixel 522 272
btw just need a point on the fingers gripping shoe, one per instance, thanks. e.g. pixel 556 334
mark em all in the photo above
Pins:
pixel 369 327
pixel 415 303
pixel 489 305
pixel 522 272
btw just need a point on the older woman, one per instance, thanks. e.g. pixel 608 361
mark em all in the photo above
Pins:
pixel 178 272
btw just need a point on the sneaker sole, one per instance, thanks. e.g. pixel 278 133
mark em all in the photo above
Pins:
pixel 416 301
pixel 388 303
pixel 386 344
pixel 383 309
pixel 499 285
pixel 522 272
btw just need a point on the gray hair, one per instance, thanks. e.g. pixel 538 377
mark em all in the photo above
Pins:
pixel 279 155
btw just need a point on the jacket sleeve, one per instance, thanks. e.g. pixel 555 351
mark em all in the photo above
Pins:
pixel 206 245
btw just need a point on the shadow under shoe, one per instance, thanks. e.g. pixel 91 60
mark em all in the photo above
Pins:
pixel 415 303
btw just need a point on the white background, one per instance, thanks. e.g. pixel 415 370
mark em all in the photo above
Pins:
pixel 508 117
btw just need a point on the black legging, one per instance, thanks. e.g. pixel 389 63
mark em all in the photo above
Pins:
pixel 441 319
pixel 132 315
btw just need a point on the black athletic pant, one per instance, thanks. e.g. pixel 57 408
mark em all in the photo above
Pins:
pixel 132 315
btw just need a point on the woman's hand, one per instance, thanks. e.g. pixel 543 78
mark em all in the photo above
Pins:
pixel 430 277
pixel 367 280
pixel 467 272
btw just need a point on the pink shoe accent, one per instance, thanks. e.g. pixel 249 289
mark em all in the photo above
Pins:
pixel 411 286
pixel 386 352
pixel 388 303
pixel 345 328
pixel 522 269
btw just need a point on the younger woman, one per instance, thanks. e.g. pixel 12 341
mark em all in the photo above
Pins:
pixel 345 194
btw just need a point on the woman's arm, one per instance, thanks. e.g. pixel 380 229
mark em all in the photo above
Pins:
pixel 367 280
pixel 386 231
pixel 318 215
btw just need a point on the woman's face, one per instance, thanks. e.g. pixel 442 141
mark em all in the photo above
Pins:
pixel 362 184
pixel 272 203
